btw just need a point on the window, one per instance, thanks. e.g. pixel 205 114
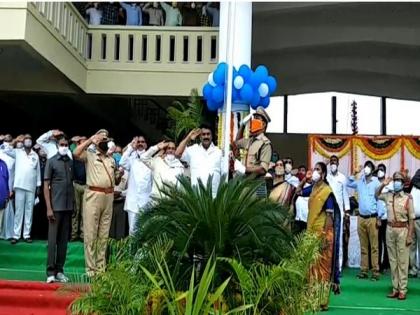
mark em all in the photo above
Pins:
pixel 309 113
pixel 368 113
pixel 402 117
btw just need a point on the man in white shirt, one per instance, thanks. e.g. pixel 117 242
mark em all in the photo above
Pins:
pixel 9 212
pixel 166 168
pixel 288 167
pixel 338 184
pixel 48 142
pixel 26 186
pixel 139 184
pixel 204 159
pixel 95 14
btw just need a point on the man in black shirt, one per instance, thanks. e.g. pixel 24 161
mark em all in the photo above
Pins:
pixel 59 198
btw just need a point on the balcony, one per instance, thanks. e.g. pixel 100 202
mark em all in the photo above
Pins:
pixel 49 47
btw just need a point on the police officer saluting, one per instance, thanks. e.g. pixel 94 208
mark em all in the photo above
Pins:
pixel 101 177
pixel 399 232
pixel 258 147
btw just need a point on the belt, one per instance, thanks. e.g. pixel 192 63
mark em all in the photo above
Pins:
pixel 398 224
pixel 109 190
pixel 375 215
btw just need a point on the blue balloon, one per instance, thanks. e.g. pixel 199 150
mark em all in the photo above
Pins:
pixel 235 95
pixel 246 93
pixel 207 91
pixel 254 106
pixel 218 94
pixel 212 106
pixel 255 81
pixel 262 71
pixel 272 84
pixel 245 72
pixel 255 99
pixel 265 101
pixel 220 73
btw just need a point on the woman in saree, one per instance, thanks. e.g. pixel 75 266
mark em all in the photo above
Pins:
pixel 323 221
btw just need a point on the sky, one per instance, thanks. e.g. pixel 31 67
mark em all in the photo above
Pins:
pixel 311 113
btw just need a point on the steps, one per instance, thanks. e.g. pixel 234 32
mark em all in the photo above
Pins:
pixel 33 298
pixel 25 261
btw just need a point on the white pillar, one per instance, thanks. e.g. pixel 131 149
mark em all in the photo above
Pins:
pixel 235 34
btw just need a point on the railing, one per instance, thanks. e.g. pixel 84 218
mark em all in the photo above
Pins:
pixel 145 47
pixel 142 48
pixel 65 22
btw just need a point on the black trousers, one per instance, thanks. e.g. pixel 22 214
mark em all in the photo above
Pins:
pixel 383 251
pixel 58 237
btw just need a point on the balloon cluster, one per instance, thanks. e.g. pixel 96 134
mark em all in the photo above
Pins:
pixel 249 87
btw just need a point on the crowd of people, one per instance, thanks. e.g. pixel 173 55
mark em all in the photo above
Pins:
pixel 150 13
pixel 94 189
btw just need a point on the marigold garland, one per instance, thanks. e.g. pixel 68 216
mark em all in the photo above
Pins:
pixel 378 153
pixel 412 146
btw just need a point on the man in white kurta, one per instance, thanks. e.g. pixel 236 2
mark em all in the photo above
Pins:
pixel 165 167
pixel 26 186
pixel 9 212
pixel 204 159
pixel 139 184
pixel 338 184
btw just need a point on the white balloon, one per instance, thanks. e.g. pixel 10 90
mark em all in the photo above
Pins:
pixel 263 89
pixel 211 81
pixel 238 83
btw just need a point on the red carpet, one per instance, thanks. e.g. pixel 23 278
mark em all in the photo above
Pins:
pixel 33 298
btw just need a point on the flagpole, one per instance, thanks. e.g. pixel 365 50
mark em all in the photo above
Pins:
pixel 229 84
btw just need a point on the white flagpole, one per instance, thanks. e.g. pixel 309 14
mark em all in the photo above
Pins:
pixel 228 99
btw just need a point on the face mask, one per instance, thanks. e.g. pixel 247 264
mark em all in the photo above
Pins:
pixel 63 150
pixel 398 186
pixel 19 145
pixel 155 5
pixel 27 143
pixel 316 176
pixel 117 157
pixel 367 170
pixel 169 157
pixel 288 168
pixel 103 146
pixel 381 174
pixel 279 170
pixel 193 5
pixel 334 168
pixel 300 176
pixel 256 126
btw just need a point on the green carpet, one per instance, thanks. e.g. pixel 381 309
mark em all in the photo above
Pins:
pixel 365 297
pixel 25 261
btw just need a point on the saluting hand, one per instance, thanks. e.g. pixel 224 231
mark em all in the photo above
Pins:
pixel 162 145
pixel 194 133
pixel 358 169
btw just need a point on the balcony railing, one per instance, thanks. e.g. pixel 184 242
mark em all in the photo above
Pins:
pixel 128 48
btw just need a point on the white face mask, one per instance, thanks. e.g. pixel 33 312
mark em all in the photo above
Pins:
pixel 169 157
pixel 288 168
pixel 63 150
pixel 316 176
pixel 193 5
pixel 334 168
pixel 381 174
pixel 19 145
pixel 27 143
pixel 367 170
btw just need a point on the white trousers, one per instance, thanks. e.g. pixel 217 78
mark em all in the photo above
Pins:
pixel 132 219
pixel 24 203
pixel 8 221
pixel 340 255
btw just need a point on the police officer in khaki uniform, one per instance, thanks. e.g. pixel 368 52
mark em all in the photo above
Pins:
pixel 258 147
pixel 399 232
pixel 101 177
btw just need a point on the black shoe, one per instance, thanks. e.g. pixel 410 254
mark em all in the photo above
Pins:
pixel 362 275
pixel 375 277
pixel 28 240
pixel 13 241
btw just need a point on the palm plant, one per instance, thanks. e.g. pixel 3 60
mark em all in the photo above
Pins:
pixel 235 224
pixel 283 288
pixel 185 117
